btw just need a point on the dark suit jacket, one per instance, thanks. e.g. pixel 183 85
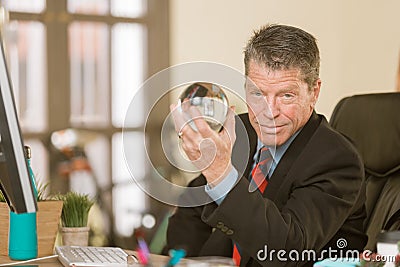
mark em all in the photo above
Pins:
pixel 314 198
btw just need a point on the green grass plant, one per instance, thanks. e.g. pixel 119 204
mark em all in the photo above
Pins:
pixel 75 209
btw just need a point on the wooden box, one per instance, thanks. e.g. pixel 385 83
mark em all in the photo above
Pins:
pixel 48 219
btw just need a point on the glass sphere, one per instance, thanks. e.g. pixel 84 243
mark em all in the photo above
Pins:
pixel 211 101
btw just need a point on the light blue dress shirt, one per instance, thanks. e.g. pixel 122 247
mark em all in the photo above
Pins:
pixel 218 192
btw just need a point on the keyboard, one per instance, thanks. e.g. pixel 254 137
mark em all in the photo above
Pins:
pixel 71 256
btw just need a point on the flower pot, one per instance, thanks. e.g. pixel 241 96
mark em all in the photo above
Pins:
pixel 75 236
pixel 48 219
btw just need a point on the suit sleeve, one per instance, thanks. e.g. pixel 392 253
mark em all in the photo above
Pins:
pixel 185 228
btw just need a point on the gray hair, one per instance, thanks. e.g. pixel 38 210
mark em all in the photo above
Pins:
pixel 282 47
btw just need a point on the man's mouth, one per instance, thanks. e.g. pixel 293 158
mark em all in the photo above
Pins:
pixel 271 129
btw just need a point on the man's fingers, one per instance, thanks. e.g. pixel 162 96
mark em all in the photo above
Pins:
pixel 230 120
pixel 202 126
pixel 182 123
pixel 177 116
pixel 229 126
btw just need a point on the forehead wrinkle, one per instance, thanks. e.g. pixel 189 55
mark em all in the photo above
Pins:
pixel 275 79
pixel 262 65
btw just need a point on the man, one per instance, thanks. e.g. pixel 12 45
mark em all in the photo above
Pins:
pixel 313 189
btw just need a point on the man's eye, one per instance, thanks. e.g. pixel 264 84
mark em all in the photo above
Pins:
pixel 288 96
pixel 257 93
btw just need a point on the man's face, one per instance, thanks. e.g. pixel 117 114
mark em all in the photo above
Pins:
pixel 279 102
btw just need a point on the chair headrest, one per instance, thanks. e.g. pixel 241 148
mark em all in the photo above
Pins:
pixel 372 122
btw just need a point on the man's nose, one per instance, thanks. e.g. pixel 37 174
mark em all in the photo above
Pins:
pixel 272 108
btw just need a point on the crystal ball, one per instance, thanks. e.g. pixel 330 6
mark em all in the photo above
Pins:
pixel 211 101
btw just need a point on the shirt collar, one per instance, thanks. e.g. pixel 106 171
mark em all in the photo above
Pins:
pixel 277 152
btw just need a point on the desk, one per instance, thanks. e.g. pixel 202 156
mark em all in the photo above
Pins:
pixel 157 261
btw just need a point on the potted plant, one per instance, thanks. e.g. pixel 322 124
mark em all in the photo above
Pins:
pixel 48 219
pixel 74 218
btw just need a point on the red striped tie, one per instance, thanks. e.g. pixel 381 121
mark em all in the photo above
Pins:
pixel 260 171
pixel 258 179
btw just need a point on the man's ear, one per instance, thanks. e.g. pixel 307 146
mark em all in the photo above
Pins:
pixel 315 92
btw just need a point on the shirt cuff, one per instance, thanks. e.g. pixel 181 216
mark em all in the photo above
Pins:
pixel 218 192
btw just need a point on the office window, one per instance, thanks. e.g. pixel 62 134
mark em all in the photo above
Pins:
pixel 127 208
pixel 128 8
pixel 97 7
pixel 89 60
pixel 128 198
pixel 128 42
pixel 33 6
pixel 76 65
pixel 121 173
pixel 26 56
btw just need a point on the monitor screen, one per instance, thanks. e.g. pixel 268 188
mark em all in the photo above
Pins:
pixel 15 183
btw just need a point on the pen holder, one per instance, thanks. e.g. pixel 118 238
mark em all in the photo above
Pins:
pixel 22 240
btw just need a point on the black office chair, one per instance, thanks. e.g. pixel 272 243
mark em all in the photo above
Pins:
pixel 372 122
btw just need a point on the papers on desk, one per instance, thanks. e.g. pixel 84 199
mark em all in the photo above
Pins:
pixel 338 263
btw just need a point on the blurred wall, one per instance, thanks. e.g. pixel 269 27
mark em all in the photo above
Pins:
pixel 359 40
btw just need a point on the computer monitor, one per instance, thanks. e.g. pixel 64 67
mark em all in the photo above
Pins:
pixel 15 183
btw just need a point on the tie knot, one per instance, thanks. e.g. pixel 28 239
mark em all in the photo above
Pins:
pixel 265 154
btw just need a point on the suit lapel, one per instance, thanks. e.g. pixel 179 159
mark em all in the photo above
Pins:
pixel 291 155
pixel 245 146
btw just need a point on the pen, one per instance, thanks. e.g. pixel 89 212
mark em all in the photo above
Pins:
pixel 176 255
pixel 143 251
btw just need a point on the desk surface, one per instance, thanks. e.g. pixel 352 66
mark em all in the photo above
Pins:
pixel 157 261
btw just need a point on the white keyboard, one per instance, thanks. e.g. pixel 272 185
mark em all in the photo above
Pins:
pixel 71 256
